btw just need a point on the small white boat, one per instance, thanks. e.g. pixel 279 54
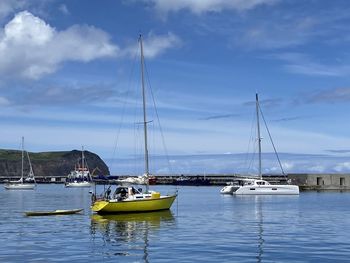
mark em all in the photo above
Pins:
pixel 78 184
pixel 27 183
pixel 81 176
pixel 55 212
pixel 141 180
pixel 229 189
pixel 18 185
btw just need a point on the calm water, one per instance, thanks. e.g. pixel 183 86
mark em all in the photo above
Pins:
pixel 202 226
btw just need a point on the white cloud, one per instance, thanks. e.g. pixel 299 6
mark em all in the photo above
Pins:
pixel 31 48
pixel 154 45
pixel 342 167
pixel 288 166
pixel 300 63
pixel 63 8
pixel 202 6
pixel 335 95
pixel 229 164
pixel 316 168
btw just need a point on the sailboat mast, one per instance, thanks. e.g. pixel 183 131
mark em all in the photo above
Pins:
pixel 22 159
pixel 258 135
pixel 82 159
pixel 144 108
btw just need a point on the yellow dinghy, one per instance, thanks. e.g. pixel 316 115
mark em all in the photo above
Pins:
pixel 51 213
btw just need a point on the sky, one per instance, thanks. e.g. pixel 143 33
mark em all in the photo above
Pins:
pixel 70 77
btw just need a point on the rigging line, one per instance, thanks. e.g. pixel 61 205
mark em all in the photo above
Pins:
pixel 160 127
pixel 135 149
pixel 273 145
pixel 252 158
pixel 152 134
pixel 250 140
pixel 123 110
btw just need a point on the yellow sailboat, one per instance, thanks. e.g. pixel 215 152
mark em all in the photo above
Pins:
pixel 132 202
pixel 129 199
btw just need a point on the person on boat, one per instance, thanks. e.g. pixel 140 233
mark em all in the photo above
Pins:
pixel 108 193
pixel 131 191
pixel 120 193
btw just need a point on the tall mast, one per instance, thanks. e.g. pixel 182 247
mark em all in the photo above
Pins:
pixel 22 158
pixel 144 108
pixel 259 137
pixel 82 159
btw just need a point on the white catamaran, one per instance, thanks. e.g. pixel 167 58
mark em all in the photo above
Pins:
pixel 24 183
pixel 249 186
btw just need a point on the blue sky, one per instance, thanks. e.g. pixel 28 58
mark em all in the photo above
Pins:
pixel 69 77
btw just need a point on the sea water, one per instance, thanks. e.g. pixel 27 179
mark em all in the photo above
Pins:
pixel 202 226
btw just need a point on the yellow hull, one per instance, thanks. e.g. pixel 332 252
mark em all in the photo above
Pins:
pixel 130 206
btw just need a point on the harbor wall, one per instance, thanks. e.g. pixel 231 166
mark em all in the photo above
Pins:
pixel 304 180
pixel 321 181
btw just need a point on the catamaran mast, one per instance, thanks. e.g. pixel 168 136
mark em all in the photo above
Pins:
pixel 144 109
pixel 258 135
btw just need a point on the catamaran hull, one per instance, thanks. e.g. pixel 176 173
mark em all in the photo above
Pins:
pixel 229 189
pixel 19 186
pixel 267 190
pixel 78 184
pixel 145 205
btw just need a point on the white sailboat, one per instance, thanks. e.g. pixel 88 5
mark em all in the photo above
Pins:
pixel 81 176
pixel 250 186
pixel 27 183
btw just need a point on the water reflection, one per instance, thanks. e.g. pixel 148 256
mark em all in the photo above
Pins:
pixel 255 203
pixel 129 234
pixel 260 222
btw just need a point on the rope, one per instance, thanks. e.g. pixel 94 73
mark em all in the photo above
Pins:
pixel 123 110
pixel 273 145
pixel 158 120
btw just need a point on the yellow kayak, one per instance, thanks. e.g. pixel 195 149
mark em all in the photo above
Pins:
pixel 55 212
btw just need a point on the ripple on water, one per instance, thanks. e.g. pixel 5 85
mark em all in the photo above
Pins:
pixel 206 227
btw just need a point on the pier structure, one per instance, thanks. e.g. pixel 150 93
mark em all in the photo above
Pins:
pixel 321 181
